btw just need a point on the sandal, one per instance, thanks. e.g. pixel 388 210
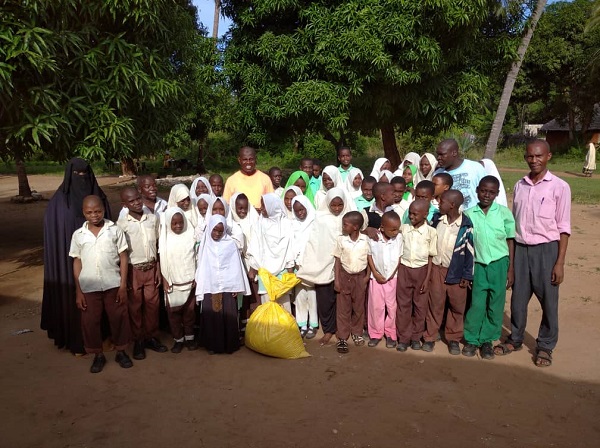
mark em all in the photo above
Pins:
pixel 358 340
pixel 543 357
pixel 342 346
pixel 311 333
pixel 507 347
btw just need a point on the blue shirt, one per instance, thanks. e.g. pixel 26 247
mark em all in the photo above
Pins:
pixel 466 179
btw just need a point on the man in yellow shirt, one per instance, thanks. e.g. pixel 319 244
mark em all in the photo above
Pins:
pixel 248 180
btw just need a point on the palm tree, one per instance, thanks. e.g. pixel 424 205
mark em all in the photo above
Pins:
pixel 215 33
pixel 509 84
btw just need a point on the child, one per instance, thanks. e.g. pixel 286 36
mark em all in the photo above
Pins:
pixel 275 175
pixel 330 179
pixel 217 185
pixel 219 278
pixel 288 194
pixel 270 245
pixel 384 198
pixel 427 165
pixel 344 156
pixel 141 232
pixel 451 273
pixel 316 265
pixel 400 205
pixel 180 197
pixel 408 173
pixel 492 170
pixel 385 176
pixel 302 181
pixel 306 165
pixel 315 180
pixel 305 297
pixel 99 252
pixel 425 190
pixel 419 248
pixel 384 258
pixel 351 278
pixel 443 182
pixel 353 183
pixel 380 165
pixel 366 199
pixel 493 233
pixel 200 185
pixel 146 185
pixel 203 203
pixel 176 246
pixel 220 207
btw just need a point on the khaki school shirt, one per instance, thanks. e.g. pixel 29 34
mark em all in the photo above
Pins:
pixel 420 243
pixel 352 254
pixel 141 236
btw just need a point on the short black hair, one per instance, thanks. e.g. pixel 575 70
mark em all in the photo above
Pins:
pixel 390 216
pixel 426 185
pixel 355 218
pixel 306 159
pixel 380 187
pixel 316 162
pixel 446 179
pixel 369 180
pixel 454 196
pixel 274 168
pixel 490 180
pixel 398 180
pixel 341 148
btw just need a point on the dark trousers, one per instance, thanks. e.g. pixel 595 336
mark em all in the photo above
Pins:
pixel 350 304
pixel 91 320
pixel 326 307
pixel 143 303
pixel 412 305
pixel 439 291
pixel 533 273
pixel 182 318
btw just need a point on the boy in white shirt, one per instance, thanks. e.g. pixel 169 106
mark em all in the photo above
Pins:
pixel 99 252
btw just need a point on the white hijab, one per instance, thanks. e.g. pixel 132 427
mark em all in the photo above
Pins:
pixel 204 180
pixel 270 246
pixel 413 159
pixel 295 189
pixel 350 188
pixel 177 254
pixel 178 193
pixel 387 173
pixel 220 267
pixel 333 172
pixel 491 170
pixel 199 229
pixel 377 167
pixel 316 264
pixel 302 228
pixel 419 176
pixel 249 221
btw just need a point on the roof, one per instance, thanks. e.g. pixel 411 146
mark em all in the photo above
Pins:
pixel 562 124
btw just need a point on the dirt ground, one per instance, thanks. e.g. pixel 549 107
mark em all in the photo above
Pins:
pixel 367 398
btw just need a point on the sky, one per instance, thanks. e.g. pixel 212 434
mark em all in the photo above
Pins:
pixel 206 12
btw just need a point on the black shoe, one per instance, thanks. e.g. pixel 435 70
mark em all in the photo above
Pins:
pixel 123 359
pixel 154 344
pixel 138 351
pixel 191 344
pixel 487 351
pixel 427 346
pixel 402 347
pixel 311 333
pixel 415 345
pixel 373 342
pixel 389 342
pixel 98 363
pixel 469 350
pixel 453 348
pixel 177 347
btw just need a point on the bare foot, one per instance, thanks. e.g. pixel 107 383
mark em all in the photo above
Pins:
pixel 326 338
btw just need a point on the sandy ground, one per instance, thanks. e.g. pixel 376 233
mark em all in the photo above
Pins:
pixel 368 398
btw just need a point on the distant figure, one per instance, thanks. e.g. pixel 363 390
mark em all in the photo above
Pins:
pixel 590 161
pixel 60 316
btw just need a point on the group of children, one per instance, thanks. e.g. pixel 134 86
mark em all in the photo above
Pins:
pixel 378 256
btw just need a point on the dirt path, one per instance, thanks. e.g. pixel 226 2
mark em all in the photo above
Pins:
pixel 368 398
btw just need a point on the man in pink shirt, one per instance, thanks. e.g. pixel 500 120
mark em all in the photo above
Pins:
pixel 248 179
pixel 542 209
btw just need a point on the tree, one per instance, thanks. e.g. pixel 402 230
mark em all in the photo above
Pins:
pixel 492 143
pixel 101 78
pixel 337 67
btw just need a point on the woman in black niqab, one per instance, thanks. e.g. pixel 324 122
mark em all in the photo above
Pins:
pixel 60 316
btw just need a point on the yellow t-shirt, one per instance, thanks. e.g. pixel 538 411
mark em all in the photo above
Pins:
pixel 253 186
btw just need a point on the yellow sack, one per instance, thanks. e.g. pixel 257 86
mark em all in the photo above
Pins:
pixel 271 330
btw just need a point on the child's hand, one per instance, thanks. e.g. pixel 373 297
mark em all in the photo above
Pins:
pixel 252 274
pixel 122 295
pixel 336 286
pixel 372 233
pixel 80 301
pixel 424 287
pixel 379 278
pixel 510 278
pixel 464 283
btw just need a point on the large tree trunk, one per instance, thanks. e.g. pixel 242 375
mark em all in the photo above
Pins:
pixel 215 33
pixel 128 167
pixel 24 188
pixel 390 149
pixel 492 143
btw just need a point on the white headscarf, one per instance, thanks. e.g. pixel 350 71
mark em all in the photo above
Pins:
pixel 333 172
pixel 177 256
pixel 302 228
pixel 204 180
pixel 295 189
pixel 199 229
pixel 419 176
pixel 413 159
pixel 350 188
pixel 316 264
pixel 233 228
pixel 178 193
pixel 220 267
pixel 270 246
pixel 491 170
pixel 377 167
pixel 387 173
pixel 250 220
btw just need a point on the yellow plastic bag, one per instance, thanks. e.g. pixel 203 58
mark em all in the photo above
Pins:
pixel 271 330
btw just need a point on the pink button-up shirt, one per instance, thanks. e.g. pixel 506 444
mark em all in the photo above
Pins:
pixel 542 210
